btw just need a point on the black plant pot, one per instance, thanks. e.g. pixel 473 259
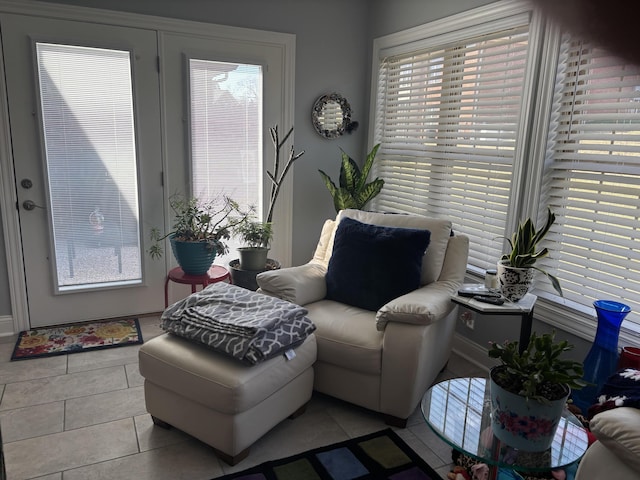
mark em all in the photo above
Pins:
pixel 247 278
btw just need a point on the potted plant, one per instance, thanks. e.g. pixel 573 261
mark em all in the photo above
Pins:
pixel 354 191
pixel 256 237
pixel 199 231
pixel 246 277
pixel 529 390
pixel 516 269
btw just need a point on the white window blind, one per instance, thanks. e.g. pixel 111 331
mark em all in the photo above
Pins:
pixel 592 179
pixel 89 134
pixel 447 119
pixel 226 134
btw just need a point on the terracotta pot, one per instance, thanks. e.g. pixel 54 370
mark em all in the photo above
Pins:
pixel 514 283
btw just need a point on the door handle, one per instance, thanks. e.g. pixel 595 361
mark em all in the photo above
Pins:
pixel 30 205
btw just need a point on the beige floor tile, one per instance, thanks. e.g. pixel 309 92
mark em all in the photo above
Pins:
pixel 190 460
pixel 150 327
pixel 310 430
pixel 21 370
pixel 418 446
pixel 53 476
pixel 109 357
pixel 151 436
pixel 433 442
pixel 6 349
pixel 50 389
pixel 104 407
pixel 33 421
pixel 356 421
pixel 134 379
pixel 62 451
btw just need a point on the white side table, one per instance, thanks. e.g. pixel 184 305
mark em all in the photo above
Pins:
pixel 524 308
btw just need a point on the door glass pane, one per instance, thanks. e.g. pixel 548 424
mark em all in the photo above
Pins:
pixel 226 134
pixel 90 149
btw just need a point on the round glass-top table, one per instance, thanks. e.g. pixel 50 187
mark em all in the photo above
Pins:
pixel 459 412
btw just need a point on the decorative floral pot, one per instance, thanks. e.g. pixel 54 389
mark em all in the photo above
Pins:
pixel 253 258
pixel 195 258
pixel 514 282
pixel 602 359
pixel 522 423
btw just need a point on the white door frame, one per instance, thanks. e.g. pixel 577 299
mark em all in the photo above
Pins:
pixel 19 319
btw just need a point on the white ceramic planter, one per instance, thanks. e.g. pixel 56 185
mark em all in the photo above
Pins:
pixel 514 282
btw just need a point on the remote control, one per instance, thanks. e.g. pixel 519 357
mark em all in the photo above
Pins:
pixel 471 292
pixel 494 300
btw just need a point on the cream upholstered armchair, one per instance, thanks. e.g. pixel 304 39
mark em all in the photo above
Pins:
pixel 381 304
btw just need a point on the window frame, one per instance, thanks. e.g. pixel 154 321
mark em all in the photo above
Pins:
pixel 544 38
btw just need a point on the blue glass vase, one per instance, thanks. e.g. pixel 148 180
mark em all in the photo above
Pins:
pixel 602 359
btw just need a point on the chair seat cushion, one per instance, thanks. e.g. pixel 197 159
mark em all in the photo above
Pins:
pixel 347 336
pixel 373 264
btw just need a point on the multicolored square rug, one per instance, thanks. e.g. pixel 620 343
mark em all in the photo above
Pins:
pixel 79 337
pixel 377 456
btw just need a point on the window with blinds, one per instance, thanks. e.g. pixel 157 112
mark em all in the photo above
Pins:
pixel 226 134
pixel 591 178
pixel 86 99
pixel 504 119
pixel 447 119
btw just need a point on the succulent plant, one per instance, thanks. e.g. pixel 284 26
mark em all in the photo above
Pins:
pixel 537 372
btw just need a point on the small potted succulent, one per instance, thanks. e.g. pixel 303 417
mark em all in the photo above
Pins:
pixel 516 268
pixel 529 390
pixel 200 231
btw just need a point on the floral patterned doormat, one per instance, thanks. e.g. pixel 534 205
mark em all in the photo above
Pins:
pixel 79 337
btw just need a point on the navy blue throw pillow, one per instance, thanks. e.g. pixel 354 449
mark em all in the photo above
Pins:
pixel 371 265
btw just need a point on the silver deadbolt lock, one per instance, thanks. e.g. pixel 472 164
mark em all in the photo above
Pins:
pixel 26 183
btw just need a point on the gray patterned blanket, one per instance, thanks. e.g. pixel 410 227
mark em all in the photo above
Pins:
pixel 249 326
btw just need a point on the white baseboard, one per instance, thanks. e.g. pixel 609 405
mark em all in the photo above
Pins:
pixel 471 352
pixel 6 326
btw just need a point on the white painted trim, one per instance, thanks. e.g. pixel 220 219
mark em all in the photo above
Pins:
pixel 471 351
pixel 10 220
pixel 8 198
pixel 6 326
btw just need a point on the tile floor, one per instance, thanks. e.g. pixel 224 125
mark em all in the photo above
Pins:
pixel 82 417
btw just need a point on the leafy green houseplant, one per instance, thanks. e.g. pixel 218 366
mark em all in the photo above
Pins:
pixel 529 390
pixel 353 190
pixel 515 269
pixel 202 227
pixel 256 236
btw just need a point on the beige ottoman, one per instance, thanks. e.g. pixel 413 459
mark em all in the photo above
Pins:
pixel 217 399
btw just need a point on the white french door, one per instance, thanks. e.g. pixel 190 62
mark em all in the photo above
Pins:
pixel 84 110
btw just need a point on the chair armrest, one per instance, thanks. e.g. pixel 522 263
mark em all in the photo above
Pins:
pixel 423 306
pixel 300 285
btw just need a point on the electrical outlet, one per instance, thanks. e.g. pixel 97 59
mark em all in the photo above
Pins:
pixel 467 318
